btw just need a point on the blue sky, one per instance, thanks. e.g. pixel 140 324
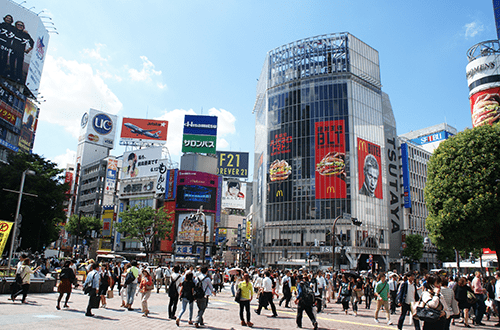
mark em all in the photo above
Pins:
pixel 163 59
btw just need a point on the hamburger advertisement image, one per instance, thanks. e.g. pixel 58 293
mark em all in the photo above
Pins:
pixel 485 107
pixel 332 164
pixel 279 170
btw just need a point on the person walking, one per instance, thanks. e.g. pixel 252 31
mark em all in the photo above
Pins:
pixel 145 288
pixel 497 296
pixel 305 301
pixel 451 302
pixel 358 294
pixel 132 287
pixel 104 283
pixel 123 286
pixel 67 278
pixel 382 295
pixel 432 298
pixel 158 278
pixel 286 289
pixel 246 288
pixel 461 290
pixel 368 291
pixel 187 297
pixel 480 293
pixel 344 294
pixel 25 271
pixel 173 291
pixel 407 295
pixel 93 279
pixel 393 291
pixel 208 290
pixel 267 295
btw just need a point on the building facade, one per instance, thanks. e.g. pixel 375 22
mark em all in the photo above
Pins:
pixel 324 135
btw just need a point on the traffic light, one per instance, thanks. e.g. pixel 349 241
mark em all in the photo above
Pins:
pixel 343 257
pixel 356 222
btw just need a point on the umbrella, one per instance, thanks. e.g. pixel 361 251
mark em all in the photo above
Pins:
pixel 351 274
pixel 235 271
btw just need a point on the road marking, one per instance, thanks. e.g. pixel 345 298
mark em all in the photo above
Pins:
pixel 47 316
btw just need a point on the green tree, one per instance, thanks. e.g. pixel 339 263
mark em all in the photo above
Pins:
pixel 83 227
pixel 462 191
pixel 146 225
pixel 40 215
pixel 414 245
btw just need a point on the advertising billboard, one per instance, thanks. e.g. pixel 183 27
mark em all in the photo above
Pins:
pixel 485 107
pixel 171 184
pixel 434 137
pixel 483 73
pixel 144 129
pixel 199 143
pixel 280 165
pixel 195 189
pixel 111 171
pixel 28 129
pixel 98 128
pixel 233 194
pixel 5 228
pixel 145 185
pixel 141 162
pixel 161 181
pixel 232 164
pixel 369 169
pixel 23 45
pixel 107 220
pixel 200 125
pixel 190 228
pixel 406 176
pixel 330 159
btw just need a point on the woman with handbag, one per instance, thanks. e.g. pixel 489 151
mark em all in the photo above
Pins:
pixel 123 286
pixel 433 299
pixel 449 297
pixel 145 288
pixel 461 295
pixel 358 294
pixel 187 297
pixel 245 291
pixel 345 293
pixel 67 277
pixel 25 272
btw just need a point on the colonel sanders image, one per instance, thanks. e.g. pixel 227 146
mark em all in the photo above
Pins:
pixel 371 172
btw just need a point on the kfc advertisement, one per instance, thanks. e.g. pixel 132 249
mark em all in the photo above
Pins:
pixel 485 107
pixel 144 129
pixel 330 159
pixel 369 165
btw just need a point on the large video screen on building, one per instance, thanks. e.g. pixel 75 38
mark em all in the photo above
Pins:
pixel 330 159
pixel 369 169
pixel 190 228
pixel 195 189
pixel 23 45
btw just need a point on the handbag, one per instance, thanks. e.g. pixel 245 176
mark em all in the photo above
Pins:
pixel 19 279
pixel 87 288
pixel 110 294
pixel 149 287
pixel 237 297
pixel 471 298
pixel 428 314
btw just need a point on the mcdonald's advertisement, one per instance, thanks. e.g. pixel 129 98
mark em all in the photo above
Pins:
pixel 280 169
pixel 330 159
pixel 369 164
pixel 5 228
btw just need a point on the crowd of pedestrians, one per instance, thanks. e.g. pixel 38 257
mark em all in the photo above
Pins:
pixel 464 300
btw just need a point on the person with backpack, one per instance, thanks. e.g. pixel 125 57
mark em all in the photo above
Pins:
pixel 187 296
pixel 203 290
pixel 287 289
pixel 173 291
pixel 305 302
pixel 131 282
pixel 345 292
pixel 267 295
pixel 407 294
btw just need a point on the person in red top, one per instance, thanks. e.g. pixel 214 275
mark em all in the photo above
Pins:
pixel 480 292
pixel 145 288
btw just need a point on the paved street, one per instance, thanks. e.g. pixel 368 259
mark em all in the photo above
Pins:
pixel 222 313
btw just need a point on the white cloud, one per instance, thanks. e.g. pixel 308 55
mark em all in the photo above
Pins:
pixel 146 72
pixel 71 88
pixel 68 158
pixel 473 29
pixel 95 53
pixel 225 128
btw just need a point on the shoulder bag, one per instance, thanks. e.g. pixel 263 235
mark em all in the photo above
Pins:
pixel 428 314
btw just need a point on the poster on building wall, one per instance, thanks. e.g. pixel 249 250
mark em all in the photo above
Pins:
pixel 330 159
pixel 141 163
pixel 111 171
pixel 369 169
pixel 234 194
pixel 190 228
pixel 280 165
pixel 485 107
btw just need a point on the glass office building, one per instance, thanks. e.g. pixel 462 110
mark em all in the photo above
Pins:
pixel 325 145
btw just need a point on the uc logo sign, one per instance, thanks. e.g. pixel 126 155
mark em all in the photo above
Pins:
pixel 102 124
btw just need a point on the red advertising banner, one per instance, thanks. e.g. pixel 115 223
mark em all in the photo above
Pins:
pixel 369 164
pixel 166 244
pixel 69 180
pixel 485 107
pixel 7 114
pixel 330 159
pixel 144 129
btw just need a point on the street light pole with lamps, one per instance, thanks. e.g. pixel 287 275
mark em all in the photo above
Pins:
pixel 354 221
pixel 198 214
pixel 20 192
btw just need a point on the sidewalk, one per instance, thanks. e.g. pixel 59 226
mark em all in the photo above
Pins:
pixel 222 313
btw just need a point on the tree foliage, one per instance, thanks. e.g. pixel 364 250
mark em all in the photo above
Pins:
pixel 414 245
pixel 462 191
pixel 145 224
pixel 42 214
pixel 85 228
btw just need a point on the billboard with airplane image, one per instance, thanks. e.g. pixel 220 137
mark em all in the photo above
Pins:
pixel 144 129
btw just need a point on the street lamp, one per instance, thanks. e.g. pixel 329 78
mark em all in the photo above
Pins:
pixel 354 221
pixel 20 192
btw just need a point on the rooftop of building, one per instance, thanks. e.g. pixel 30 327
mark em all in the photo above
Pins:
pixel 429 130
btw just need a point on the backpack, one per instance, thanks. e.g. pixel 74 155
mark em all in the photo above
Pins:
pixel 308 298
pixel 198 289
pixel 129 278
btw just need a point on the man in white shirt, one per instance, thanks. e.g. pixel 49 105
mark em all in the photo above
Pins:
pixel 167 275
pixel 321 286
pixel 480 293
pixel 267 295
pixel 406 295
pixel 173 292
pixel 497 295
pixel 159 278
pixel 202 303
pixel 93 278
pixel 393 291
pixel 286 285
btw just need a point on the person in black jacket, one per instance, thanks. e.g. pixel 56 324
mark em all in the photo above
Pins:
pixel 19 42
pixel 67 277
pixel 406 295
pixel 303 305
pixel 461 296
pixel 6 36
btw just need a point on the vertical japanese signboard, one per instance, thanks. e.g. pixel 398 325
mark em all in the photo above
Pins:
pixel 369 166
pixel 330 159
pixel 5 228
